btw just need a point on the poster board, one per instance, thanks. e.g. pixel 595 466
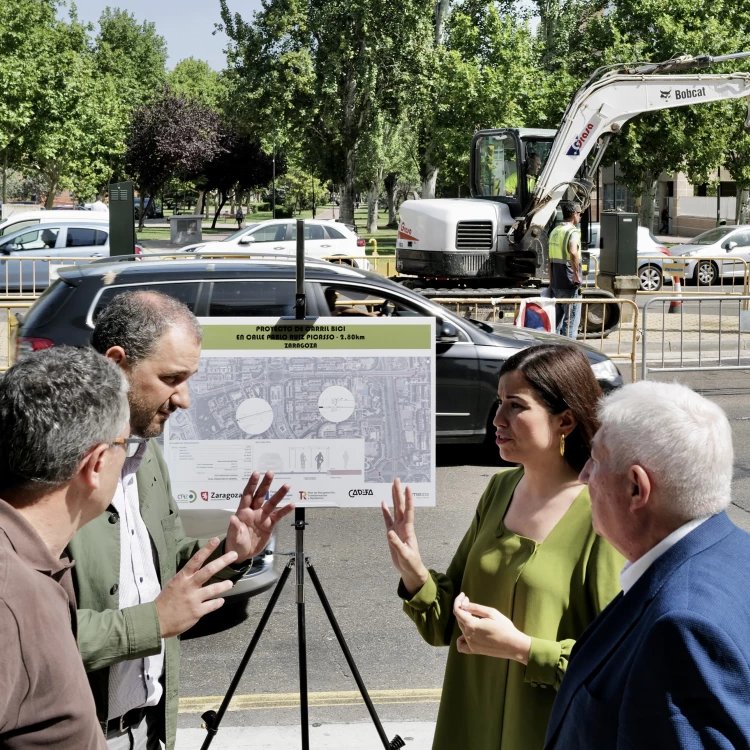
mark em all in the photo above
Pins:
pixel 336 407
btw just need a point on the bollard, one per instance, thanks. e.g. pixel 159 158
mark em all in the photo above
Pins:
pixel 675 304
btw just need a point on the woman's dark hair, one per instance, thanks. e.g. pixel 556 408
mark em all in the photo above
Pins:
pixel 562 378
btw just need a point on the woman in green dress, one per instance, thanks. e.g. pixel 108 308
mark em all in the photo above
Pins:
pixel 530 573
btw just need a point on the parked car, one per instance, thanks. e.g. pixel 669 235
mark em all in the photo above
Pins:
pixel 323 239
pixel 18 221
pixel 47 240
pixel 153 209
pixel 469 353
pixel 720 247
pixel 649 269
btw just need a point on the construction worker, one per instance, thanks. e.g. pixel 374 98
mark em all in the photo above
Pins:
pixel 565 269
pixel 533 168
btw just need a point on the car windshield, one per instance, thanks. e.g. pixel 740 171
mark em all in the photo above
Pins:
pixel 240 233
pixel 711 236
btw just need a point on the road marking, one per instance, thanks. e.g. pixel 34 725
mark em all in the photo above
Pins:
pixel 291 700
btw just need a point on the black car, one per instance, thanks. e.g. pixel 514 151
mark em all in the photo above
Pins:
pixel 469 353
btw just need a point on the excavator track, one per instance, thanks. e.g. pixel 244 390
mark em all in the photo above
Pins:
pixel 607 316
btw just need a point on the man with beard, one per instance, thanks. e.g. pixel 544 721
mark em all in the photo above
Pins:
pixel 139 580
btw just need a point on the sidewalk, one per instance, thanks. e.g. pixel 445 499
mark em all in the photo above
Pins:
pixel 417 735
pixel 699 333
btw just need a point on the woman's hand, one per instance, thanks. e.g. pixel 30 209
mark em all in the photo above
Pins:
pixel 402 540
pixel 487 632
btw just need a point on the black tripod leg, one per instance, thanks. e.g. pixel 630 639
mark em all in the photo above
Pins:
pixel 299 562
pixel 212 719
pixel 397 741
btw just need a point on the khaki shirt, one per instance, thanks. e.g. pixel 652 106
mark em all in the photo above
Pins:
pixel 45 700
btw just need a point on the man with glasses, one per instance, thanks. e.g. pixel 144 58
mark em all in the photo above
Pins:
pixel 565 278
pixel 63 429
pixel 140 581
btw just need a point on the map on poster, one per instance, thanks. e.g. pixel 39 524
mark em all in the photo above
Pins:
pixel 337 408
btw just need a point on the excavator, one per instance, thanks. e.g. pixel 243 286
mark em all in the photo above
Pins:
pixel 494 244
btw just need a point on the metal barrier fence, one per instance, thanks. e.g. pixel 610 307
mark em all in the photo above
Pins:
pixel 711 334
pixel 731 276
pixel 29 276
pixel 624 346
pixel 8 328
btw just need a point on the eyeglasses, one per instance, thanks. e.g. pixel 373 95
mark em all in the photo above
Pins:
pixel 131 445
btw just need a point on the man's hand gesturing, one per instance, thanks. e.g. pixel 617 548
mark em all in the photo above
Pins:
pixel 185 598
pixel 251 527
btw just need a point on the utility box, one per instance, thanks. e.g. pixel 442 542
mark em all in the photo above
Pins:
pixel 619 241
pixel 121 219
pixel 184 230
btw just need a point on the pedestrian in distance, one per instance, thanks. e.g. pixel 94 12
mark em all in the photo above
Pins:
pixel 667 664
pixel 664 226
pixel 239 216
pixel 63 439
pixel 530 573
pixel 140 580
pixel 565 277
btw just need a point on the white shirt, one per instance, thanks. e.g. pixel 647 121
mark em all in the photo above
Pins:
pixel 134 683
pixel 633 571
pixel 99 206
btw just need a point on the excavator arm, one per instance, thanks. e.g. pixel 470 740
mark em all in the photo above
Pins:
pixel 601 107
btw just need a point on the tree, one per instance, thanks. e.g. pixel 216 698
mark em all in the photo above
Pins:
pixel 239 164
pixel 694 139
pixel 76 127
pixel 171 136
pixel 325 69
pixel 195 79
pixel 133 54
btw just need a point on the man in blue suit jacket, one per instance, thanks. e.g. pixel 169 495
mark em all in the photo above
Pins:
pixel 667 663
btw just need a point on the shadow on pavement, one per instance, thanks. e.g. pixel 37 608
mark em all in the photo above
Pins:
pixel 482 454
pixel 228 616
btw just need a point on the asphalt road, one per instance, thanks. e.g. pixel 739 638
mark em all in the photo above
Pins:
pixel 348 550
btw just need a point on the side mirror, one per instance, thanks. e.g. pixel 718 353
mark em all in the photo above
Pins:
pixel 5 249
pixel 730 246
pixel 248 239
pixel 447 333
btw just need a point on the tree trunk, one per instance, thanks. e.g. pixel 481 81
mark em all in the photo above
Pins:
pixel 743 206
pixel 429 181
pixel 391 181
pixel 200 206
pixel 51 192
pixel 348 189
pixel 647 201
pixel 372 205
pixel 219 205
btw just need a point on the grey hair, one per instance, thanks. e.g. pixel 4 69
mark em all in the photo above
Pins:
pixel 571 207
pixel 683 440
pixel 137 320
pixel 55 405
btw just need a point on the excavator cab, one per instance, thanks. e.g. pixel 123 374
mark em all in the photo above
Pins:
pixel 506 164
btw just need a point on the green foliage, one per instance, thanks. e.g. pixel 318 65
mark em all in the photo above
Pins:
pixel 133 54
pixel 195 79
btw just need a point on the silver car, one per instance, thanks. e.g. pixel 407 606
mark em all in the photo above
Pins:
pixel 63 242
pixel 720 253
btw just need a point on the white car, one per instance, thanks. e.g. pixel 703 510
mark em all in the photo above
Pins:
pixel 649 267
pixel 18 221
pixel 323 239
pixel 724 250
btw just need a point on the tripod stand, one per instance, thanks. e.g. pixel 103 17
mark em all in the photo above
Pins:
pixel 299 561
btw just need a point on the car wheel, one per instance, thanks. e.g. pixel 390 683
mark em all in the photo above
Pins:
pixel 342 260
pixel 706 273
pixel 650 278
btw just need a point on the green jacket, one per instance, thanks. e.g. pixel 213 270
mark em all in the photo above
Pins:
pixel 108 635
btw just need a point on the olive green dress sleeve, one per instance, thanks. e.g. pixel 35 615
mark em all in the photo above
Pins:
pixel 548 660
pixel 431 608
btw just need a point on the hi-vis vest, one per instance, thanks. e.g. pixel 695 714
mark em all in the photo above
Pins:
pixel 560 269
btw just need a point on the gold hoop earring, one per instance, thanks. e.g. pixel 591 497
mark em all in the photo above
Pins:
pixel 562 444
